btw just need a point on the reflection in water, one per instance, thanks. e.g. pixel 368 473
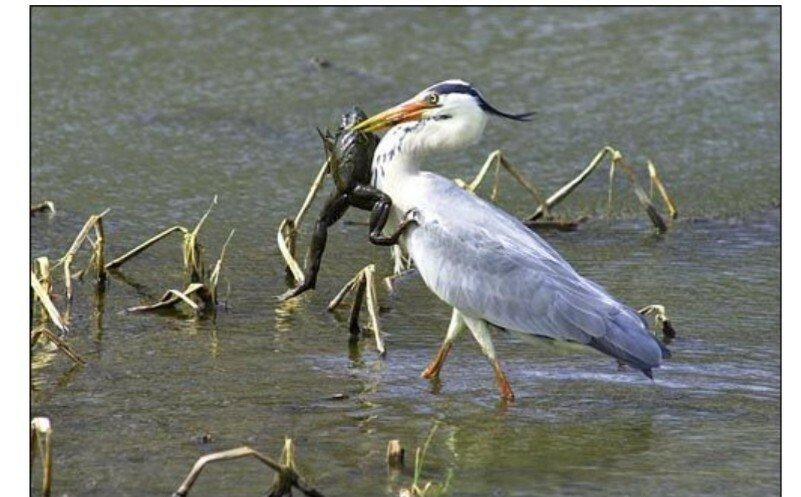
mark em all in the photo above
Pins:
pixel 151 112
pixel 142 290
pixel 284 313
pixel 41 357
pixel 43 386
pixel 214 341
pixel 436 385
pixel 99 304
pixel 557 455
pixel 355 352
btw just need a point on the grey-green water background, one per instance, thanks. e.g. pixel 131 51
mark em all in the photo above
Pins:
pixel 153 111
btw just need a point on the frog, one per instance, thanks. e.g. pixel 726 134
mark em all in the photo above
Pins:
pixel 350 156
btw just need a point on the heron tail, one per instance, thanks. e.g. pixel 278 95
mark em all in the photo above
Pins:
pixel 632 345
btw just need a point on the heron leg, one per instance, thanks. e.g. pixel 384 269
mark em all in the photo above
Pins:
pixel 334 208
pixel 481 332
pixel 455 327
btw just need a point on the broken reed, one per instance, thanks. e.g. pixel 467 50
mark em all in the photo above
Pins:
pixel 41 281
pixel 395 454
pixel 286 477
pixel 201 291
pixel 660 317
pixel 541 218
pixel 198 295
pixel 194 269
pixel 49 312
pixel 97 258
pixel 616 161
pixel 289 229
pixel 41 439
pixel 498 160
pixel 364 289
pixel 44 206
pixel 207 296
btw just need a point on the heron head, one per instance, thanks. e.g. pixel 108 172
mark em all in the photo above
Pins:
pixel 447 115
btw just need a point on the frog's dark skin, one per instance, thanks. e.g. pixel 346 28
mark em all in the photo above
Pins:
pixel 351 155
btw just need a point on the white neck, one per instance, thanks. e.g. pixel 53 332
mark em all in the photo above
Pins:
pixel 395 157
pixel 400 152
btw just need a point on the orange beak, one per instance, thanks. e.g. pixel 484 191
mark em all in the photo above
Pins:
pixel 407 111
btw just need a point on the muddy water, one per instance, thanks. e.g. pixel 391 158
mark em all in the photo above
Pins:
pixel 153 111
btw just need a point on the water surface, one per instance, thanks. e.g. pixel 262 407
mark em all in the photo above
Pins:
pixel 153 111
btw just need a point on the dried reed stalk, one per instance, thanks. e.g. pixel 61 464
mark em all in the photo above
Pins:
pixel 41 438
pixel 282 483
pixel 61 344
pixel 363 287
pixel 214 279
pixel 289 474
pixel 193 262
pixel 666 198
pixel 616 161
pixel 68 258
pixel 46 205
pixel 289 229
pixel 660 318
pixel 119 261
pixel 172 297
pixel 44 298
pixel 498 160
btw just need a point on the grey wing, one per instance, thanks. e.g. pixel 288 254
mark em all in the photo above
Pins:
pixel 485 262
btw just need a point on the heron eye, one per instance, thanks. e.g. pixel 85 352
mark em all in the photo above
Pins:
pixel 432 99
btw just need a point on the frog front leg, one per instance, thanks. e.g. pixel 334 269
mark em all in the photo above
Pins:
pixel 380 205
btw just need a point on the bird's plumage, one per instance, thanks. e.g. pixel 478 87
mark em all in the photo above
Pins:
pixel 481 260
pixel 459 86
pixel 486 263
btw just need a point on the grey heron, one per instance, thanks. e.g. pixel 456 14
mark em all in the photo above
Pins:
pixel 484 262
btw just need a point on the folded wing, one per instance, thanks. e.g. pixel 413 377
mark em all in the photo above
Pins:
pixel 486 263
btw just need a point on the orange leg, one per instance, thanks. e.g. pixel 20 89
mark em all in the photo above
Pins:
pixel 503 383
pixel 433 369
pixel 455 327
pixel 481 332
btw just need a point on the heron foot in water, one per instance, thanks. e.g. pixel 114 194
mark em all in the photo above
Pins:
pixel 456 326
pixel 433 369
pixel 503 383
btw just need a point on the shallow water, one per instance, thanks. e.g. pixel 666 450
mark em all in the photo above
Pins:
pixel 153 111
